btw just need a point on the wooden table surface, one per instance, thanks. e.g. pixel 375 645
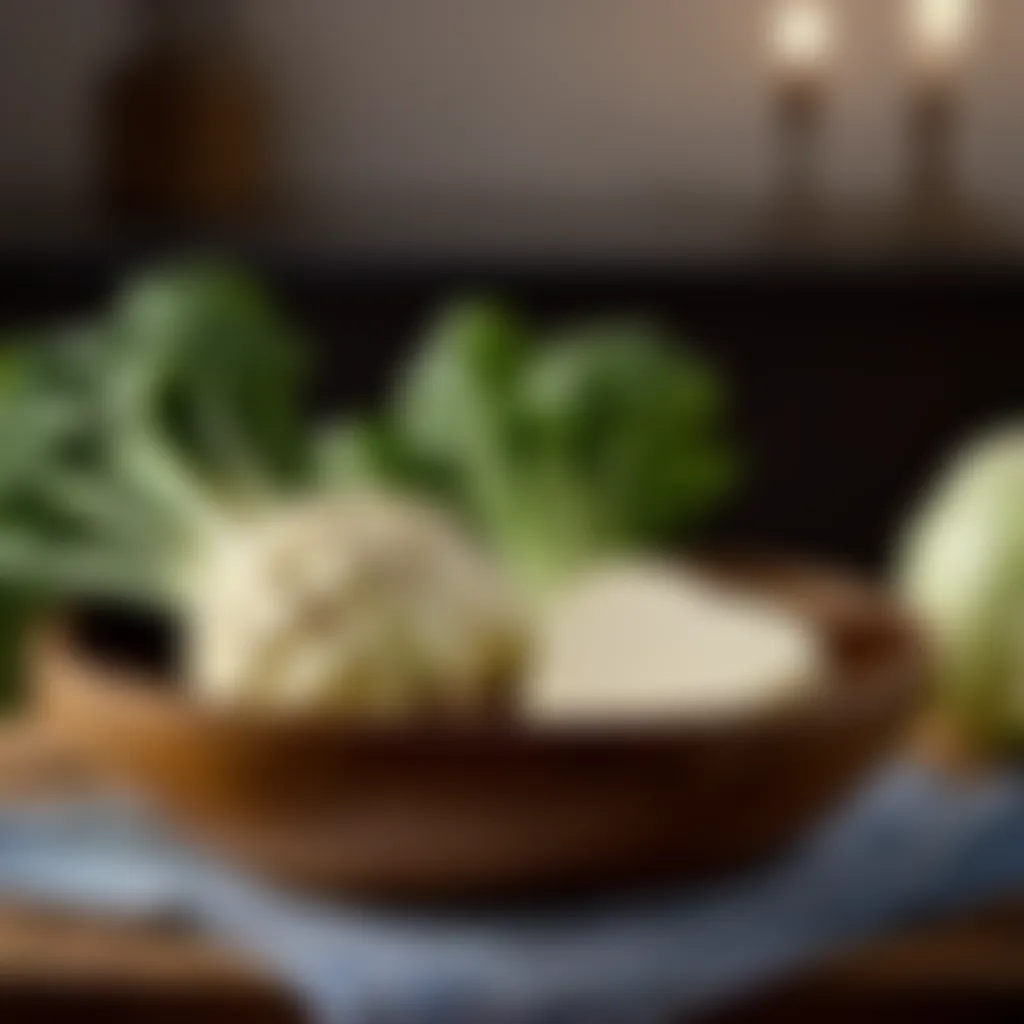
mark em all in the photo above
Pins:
pixel 53 967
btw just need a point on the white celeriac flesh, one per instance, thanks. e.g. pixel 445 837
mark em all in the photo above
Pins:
pixel 641 642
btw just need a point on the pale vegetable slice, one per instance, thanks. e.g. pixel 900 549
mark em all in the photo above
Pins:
pixel 642 642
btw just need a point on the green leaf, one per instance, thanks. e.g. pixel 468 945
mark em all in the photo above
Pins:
pixel 360 453
pixel 455 396
pixel 606 438
pixel 212 363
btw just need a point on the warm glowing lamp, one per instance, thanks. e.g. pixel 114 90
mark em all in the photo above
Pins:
pixel 801 40
pixel 940 32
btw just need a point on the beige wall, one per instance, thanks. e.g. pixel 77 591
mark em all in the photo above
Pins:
pixel 605 98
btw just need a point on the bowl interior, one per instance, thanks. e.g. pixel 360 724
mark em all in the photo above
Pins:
pixel 867 640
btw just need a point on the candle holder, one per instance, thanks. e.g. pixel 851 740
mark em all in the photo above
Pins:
pixel 801 37
pixel 935 190
pixel 800 117
pixel 940 211
pixel 939 207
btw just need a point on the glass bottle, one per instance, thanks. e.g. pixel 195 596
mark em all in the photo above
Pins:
pixel 184 118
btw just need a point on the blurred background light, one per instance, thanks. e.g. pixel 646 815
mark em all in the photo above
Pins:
pixel 802 36
pixel 941 30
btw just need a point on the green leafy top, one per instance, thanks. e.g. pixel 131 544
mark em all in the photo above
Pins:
pixel 140 438
pixel 595 441
pixel 131 437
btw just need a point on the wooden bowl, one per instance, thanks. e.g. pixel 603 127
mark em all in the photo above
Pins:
pixel 494 810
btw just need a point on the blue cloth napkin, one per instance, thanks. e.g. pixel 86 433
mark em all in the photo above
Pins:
pixel 909 846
